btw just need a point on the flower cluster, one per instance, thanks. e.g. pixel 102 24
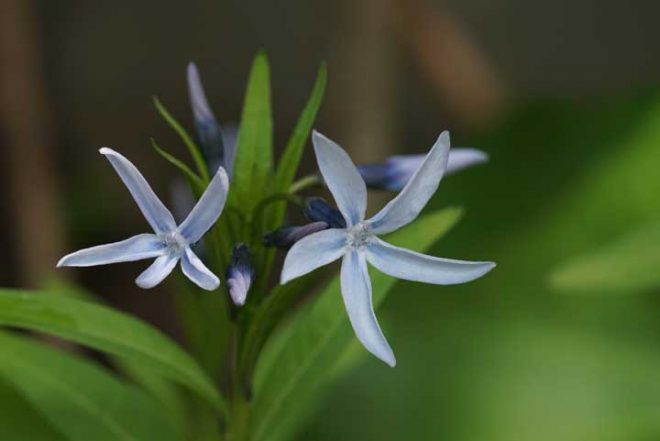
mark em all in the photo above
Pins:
pixel 331 234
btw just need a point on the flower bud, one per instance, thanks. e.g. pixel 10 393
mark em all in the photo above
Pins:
pixel 240 274
pixel 285 237
pixel 318 210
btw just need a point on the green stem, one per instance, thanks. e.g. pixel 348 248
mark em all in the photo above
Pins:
pixel 240 414
pixel 305 182
pixel 237 426
pixel 259 210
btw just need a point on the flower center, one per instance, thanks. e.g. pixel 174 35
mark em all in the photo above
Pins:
pixel 358 236
pixel 175 242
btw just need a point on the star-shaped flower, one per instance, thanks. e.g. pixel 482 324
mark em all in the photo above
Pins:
pixel 358 243
pixel 170 243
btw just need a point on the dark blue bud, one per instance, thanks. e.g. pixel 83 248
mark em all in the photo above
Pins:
pixel 240 274
pixel 209 132
pixel 211 141
pixel 318 210
pixel 285 237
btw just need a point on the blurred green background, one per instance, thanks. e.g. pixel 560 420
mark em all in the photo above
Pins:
pixel 562 95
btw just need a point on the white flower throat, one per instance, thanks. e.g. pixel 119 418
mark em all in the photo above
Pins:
pixel 359 235
pixel 175 242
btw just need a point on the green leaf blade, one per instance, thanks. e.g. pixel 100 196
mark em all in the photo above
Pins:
pixel 254 149
pixel 109 331
pixel 317 340
pixel 19 420
pixel 628 265
pixel 81 400
pixel 288 164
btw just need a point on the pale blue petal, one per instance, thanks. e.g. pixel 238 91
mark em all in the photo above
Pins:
pixel 342 178
pixel 201 109
pixel 463 157
pixel 197 272
pixel 157 271
pixel 158 216
pixel 409 265
pixel 407 205
pixel 207 210
pixel 356 291
pixel 142 246
pixel 312 252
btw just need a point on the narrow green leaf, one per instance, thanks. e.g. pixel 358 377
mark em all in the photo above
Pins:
pixel 195 181
pixel 80 399
pixel 288 164
pixel 291 374
pixel 107 330
pixel 629 265
pixel 185 137
pixel 20 421
pixel 254 150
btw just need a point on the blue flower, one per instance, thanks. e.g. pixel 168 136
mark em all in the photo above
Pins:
pixel 170 244
pixel 240 274
pixel 358 243
pixel 218 147
pixel 397 170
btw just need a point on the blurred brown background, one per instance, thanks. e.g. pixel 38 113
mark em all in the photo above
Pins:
pixel 77 75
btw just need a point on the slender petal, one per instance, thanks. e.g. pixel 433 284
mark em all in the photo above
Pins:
pixel 196 271
pixel 157 271
pixel 407 205
pixel 201 109
pixel 463 157
pixel 207 210
pixel 342 178
pixel 142 246
pixel 356 291
pixel 409 265
pixel 312 252
pixel 158 216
